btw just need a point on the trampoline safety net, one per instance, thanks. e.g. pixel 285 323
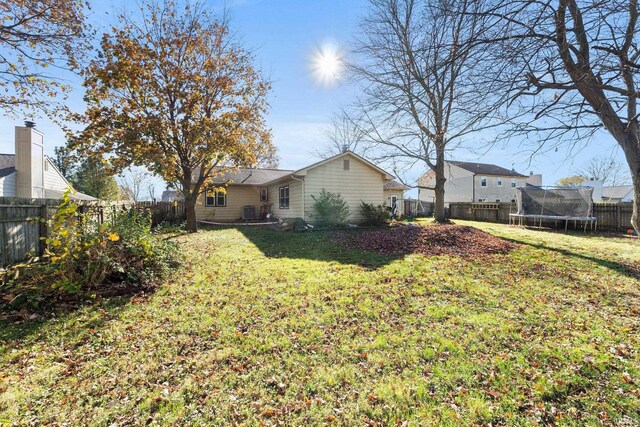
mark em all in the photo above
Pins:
pixel 554 201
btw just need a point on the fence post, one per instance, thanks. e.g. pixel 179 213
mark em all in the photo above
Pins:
pixel 618 217
pixel 44 229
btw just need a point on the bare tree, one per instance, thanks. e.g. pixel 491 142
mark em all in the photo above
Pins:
pixel 342 134
pixel 608 170
pixel 575 65
pixel 425 89
pixel 133 181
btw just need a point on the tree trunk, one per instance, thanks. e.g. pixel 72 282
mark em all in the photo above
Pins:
pixel 190 211
pixel 439 214
pixel 631 149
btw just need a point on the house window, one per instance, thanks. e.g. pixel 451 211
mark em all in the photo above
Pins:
pixel 513 200
pixel 221 198
pixel 215 198
pixel 264 195
pixel 482 200
pixel 394 200
pixel 483 181
pixel 499 182
pixel 284 197
pixel 497 200
pixel 513 183
pixel 345 164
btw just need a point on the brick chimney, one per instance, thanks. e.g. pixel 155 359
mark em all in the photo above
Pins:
pixel 29 162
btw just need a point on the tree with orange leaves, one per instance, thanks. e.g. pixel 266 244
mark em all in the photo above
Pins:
pixel 38 39
pixel 171 90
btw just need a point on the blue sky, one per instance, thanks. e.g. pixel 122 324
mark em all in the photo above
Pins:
pixel 284 33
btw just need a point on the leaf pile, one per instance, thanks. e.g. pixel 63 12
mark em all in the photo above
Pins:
pixel 432 240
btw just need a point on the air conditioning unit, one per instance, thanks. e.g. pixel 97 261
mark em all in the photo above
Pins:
pixel 248 212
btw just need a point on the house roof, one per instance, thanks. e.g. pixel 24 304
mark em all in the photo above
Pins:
pixel 7 164
pixel 75 195
pixel 485 169
pixel 616 192
pixel 395 185
pixel 171 195
pixel 250 176
pixel 257 176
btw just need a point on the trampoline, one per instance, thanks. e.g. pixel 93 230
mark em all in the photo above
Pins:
pixel 554 204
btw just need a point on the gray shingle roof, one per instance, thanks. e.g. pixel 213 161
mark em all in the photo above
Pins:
pixel 486 169
pixel 394 185
pixel 7 164
pixel 250 176
pixel 616 192
pixel 56 194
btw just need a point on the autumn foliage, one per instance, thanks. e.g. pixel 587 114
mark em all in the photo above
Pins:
pixel 434 240
pixel 38 39
pixel 171 90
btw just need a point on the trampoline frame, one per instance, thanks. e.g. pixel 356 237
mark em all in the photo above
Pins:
pixel 589 221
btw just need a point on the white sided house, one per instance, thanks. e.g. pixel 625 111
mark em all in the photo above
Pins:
pixel 286 194
pixel 471 182
pixel 28 173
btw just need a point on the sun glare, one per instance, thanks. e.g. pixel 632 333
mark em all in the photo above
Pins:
pixel 327 65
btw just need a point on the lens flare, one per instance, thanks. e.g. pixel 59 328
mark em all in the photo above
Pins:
pixel 327 64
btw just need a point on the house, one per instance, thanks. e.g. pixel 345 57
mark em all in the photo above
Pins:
pixel 476 182
pixel 171 196
pixel 29 173
pixel 617 194
pixel 394 195
pixel 597 185
pixel 287 194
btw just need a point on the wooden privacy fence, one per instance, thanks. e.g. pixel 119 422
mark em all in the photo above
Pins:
pixel 23 222
pixel 611 216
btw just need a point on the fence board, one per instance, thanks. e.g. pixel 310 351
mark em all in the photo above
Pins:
pixel 22 230
pixel 611 216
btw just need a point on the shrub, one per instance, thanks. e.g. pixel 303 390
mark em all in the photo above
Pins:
pixel 83 254
pixel 374 215
pixel 331 208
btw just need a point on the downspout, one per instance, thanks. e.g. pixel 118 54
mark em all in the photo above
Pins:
pixel 302 181
pixel 473 188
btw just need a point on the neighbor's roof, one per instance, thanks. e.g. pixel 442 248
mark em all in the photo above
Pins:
pixel 395 185
pixel 485 169
pixel 250 176
pixel 616 192
pixel 171 196
pixel 7 164
pixel 76 195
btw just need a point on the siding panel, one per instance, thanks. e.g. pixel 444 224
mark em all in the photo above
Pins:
pixel 295 199
pixel 237 197
pixel 8 185
pixel 360 183
pixel 53 180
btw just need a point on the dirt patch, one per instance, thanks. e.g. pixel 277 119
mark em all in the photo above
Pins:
pixel 458 240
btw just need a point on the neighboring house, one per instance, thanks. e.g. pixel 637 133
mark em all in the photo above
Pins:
pixel 476 182
pixel 171 196
pixel 617 194
pixel 597 185
pixel 394 195
pixel 287 194
pixel 29 173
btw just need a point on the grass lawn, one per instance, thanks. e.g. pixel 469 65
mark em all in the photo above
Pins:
pixel 266 328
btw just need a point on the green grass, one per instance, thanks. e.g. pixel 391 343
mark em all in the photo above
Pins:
pixel 266 328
